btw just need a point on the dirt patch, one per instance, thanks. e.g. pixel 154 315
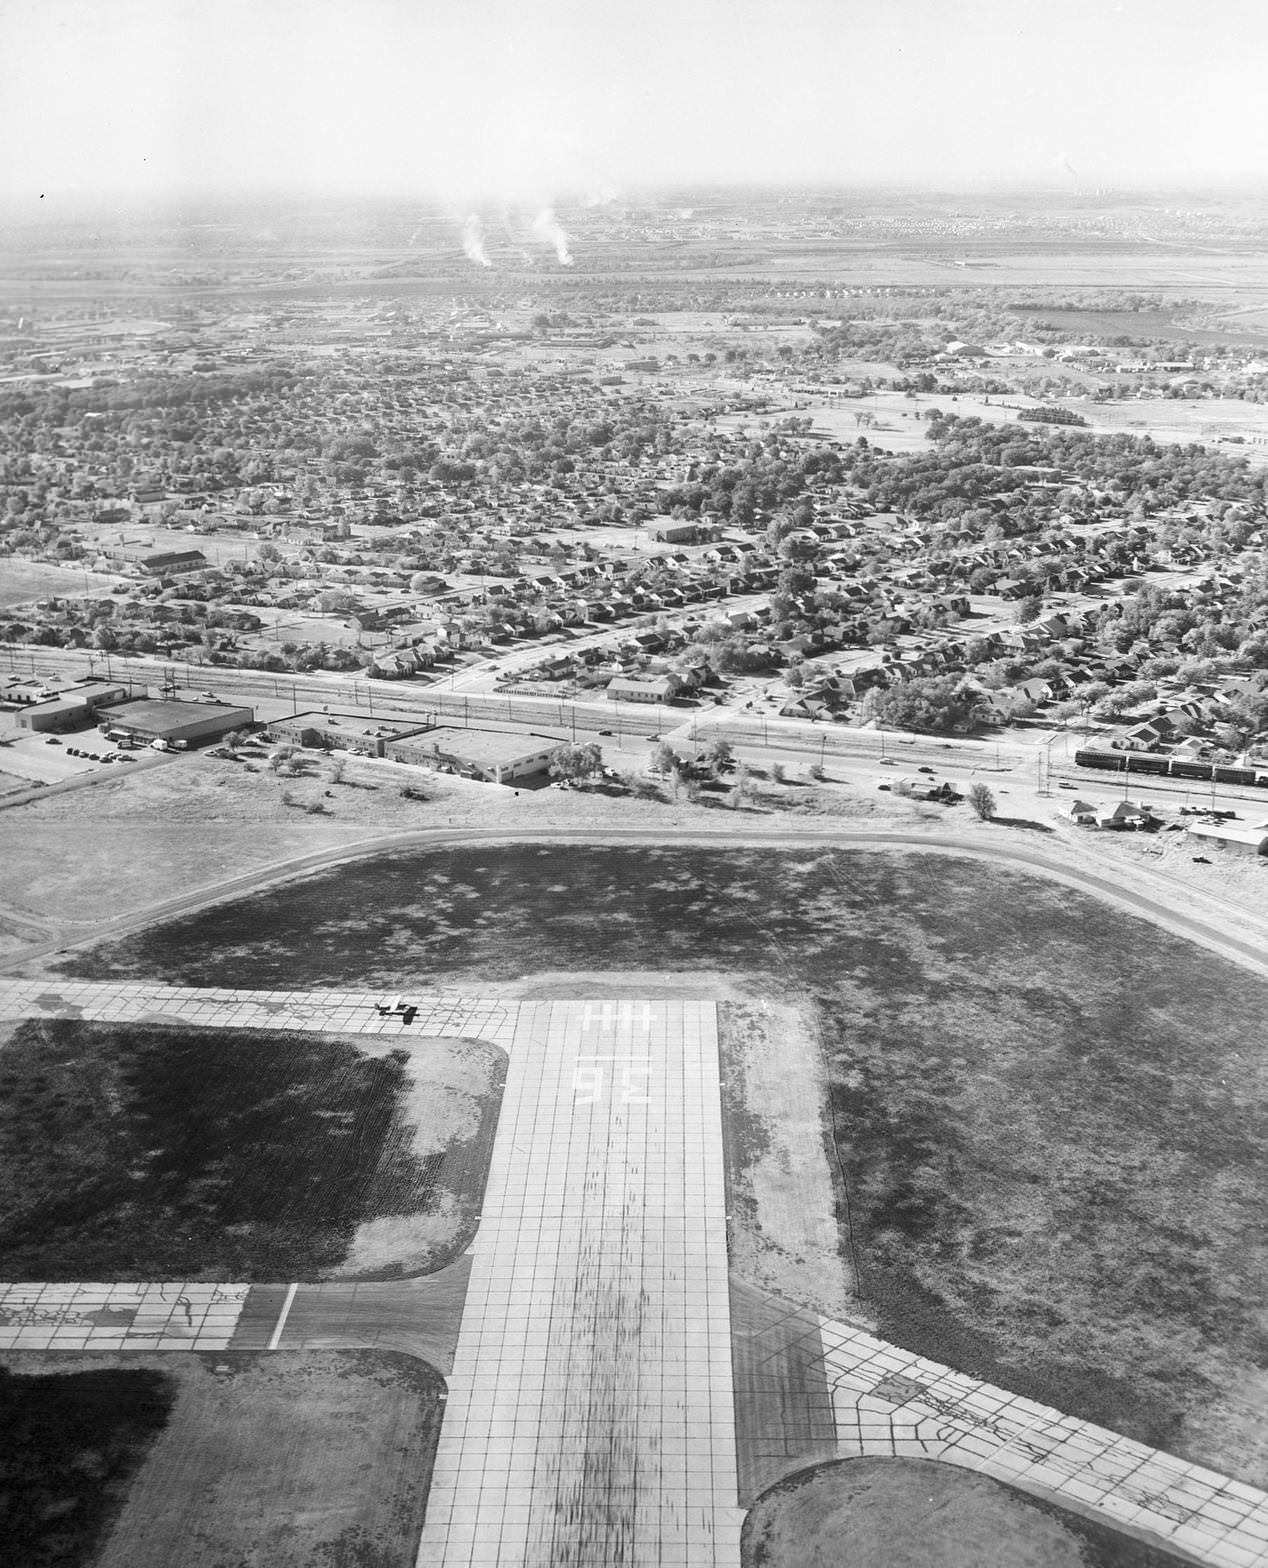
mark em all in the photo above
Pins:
pixel 901 1513
pixel 312 1460
pixel 785 1233
pixel 651 985
pixel 451 1105
pixel 158 1152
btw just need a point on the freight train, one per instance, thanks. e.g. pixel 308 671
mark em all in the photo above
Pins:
pixel 1149 762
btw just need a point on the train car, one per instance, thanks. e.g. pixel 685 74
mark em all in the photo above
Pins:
pixel 1189 768
pixel 1226 773
pixel 1147 762
pixel 1115 761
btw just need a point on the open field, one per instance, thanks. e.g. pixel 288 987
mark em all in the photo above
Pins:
pixel 21 581
pixel 147 834
pixel 72 1438
pixel 151 1152
pixel 1051 1186
pixel 316 1460
pixel 900 420
pixel 902 1513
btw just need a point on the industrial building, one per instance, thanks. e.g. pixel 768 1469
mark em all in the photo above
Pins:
pixel 167 719
pixel 494 756
pixel 73 708
pixel 341 731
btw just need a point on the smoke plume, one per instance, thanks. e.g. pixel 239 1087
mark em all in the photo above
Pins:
pixel 473 242
pixel 546 227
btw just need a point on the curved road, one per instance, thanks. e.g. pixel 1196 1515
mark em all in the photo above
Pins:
pixel 1158 909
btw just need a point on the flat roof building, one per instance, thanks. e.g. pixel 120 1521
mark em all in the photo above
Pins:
pixel 494 756
pixel 194 723
pixel 72 708
pixel 342 731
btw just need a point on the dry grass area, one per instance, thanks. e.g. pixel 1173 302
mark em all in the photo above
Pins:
pixel 784 1233
pixel 135 1152
pixel 898 1513
pixel 84 855
pixel 451 1106
pixel 313 1460
pixel 81 856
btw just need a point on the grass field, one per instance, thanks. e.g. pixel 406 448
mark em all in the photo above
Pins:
pixel 901 1513
pixel 1051 1115
pixel 315 1460
pixel 70 1446
pixel 22 581
pixel 154 1152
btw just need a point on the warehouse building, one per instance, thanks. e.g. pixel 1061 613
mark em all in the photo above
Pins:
pixel 178 723
pixel 326 731
pixel 493 756
pixel 73 708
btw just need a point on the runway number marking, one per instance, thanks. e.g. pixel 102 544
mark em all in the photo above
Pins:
pixel 589 1079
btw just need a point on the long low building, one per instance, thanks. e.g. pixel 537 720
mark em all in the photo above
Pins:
pixel 494 756
pixel 1253 838
pixel 73 707
pixel 169 719
pixel 342 731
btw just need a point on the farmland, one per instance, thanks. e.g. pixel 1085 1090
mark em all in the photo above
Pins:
pixel 1054 1189
pixel 143 1461
pixel 149 1152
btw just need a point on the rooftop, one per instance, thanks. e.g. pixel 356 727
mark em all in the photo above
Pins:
pixel 490 748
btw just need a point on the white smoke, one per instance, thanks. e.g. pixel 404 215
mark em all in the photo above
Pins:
pixel 546 227
pixel 473 242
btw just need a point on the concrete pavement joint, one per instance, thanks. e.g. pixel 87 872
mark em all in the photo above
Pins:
pixel 590 1414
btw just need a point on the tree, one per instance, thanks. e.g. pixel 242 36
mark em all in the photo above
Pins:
pixel 932 703
pixel 982 801
pixel 1029 609
pixel 572 763
pixel 718 756
pixel 664 759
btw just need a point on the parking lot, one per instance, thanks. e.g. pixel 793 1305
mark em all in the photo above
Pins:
pixel 52 759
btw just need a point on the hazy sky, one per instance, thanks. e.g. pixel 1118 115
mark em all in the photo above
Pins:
pixel 536 99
